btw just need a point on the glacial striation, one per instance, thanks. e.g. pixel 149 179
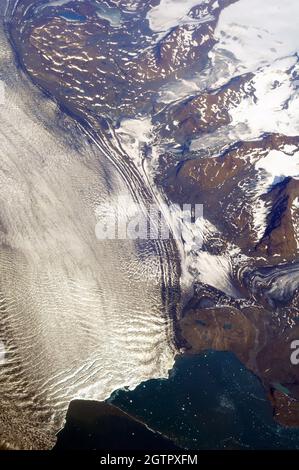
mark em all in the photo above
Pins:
pixel 191 102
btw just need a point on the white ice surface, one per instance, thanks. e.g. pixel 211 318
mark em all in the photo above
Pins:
pixel 258 32
pixel 133 134
pixel 169 13
pixel 274 168
pixel 279 166
pixel 216 271
pixel 196 264
pixel 274 105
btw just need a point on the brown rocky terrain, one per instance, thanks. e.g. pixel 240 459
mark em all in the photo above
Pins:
pixel 260 340
pixel 261 330
pixel 96 70
pixel 228 185
pixel 280 237
pixel 205 112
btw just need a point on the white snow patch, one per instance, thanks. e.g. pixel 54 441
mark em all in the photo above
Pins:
pixel 55 3
pixel 2 353
pixel 275 167
pixel 189 239
pixel 260 213
pixel 296 203
pixel 295 220
pixel 274 106
pixel 169 13
pixel 178 90
pixel 290 149
pixel 258 32
pixel 294 212
pixel 278 166
pixel 216 271
pixel 133 134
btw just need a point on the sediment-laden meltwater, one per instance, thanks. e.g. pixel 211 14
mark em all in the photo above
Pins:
pixel 80 317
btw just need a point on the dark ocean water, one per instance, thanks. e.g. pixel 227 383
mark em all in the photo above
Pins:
pixel 210 401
